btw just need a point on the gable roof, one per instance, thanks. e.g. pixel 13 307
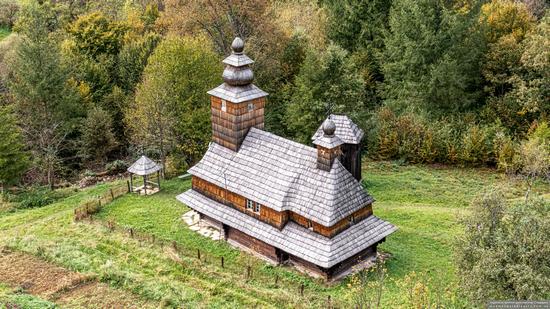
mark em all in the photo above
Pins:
pixel 346 130
pixel 283 175
pixel 295 239
pixel 144 166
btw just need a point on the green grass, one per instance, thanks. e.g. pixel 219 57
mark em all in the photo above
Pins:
pixel 4 32
pixel 422 201
pixel 14 299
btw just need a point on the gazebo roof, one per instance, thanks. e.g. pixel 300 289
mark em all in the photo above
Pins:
pixel 144 166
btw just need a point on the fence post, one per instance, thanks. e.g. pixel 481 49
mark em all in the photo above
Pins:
pixel 222 262
pixel 112 195
pixel 302 290
pixel 128 183
pixel 199 254
pixel 276 280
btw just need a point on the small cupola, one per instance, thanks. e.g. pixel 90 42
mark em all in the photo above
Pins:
pixel 328 146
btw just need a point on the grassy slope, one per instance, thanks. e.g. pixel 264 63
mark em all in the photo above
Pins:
pixel 4 32
pixel 423 202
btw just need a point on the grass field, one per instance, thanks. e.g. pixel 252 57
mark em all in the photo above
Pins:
pixel 424 202
pixel 4 32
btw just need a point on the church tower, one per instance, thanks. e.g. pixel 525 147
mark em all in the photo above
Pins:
pixel 237 104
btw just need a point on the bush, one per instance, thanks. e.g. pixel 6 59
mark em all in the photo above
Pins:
pixel 116 167
pixel 417 139
pixel 8 12
pixel 504 252
pixel 35 197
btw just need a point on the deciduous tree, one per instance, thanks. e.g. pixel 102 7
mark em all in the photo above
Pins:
pixel 171 108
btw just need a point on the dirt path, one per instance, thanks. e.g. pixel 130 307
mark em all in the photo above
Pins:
pixel 65 288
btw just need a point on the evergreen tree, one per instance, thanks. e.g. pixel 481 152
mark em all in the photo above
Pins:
pixel 357 24
pixel 432 56
pixel 327 83
pixel 46 104
pixel 97 138
pixel 13 158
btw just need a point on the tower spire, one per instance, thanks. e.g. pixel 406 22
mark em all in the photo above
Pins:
pixel 237 104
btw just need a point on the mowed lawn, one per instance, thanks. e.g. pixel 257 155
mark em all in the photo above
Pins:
pixel 423 201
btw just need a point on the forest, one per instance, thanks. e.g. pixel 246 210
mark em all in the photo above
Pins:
pixel 453 96
pixel 87 85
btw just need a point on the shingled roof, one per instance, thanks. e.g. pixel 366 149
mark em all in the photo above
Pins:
pixel 295 239
pixel 346 130
pixel 283 175
pixel 144 166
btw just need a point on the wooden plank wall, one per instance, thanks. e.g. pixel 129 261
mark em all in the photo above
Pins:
pixel 253 243
pixel 271 216
pixel 229 128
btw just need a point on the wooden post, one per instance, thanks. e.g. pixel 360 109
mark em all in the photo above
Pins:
pixel 276 280
pixel 145 184
pixel 222 262
pixel 128 184
pixel 248 272
pixel 158 178
pixel 131 182
pixel 112 194
pixel 132 232
pixel 302 290
pixel 199 254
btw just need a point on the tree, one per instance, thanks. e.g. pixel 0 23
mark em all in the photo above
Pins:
pixel 132 59
pixel 171 108
pixel 534 156
pixel 357 24
pixel 95 35
pixel 13 158
pixel 46 104
pixel 516 66
pixel 432 56
pixel 504 252
pixel 327 83
pixel 97 138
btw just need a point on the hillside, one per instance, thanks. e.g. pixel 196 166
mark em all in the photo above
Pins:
pixel 423 201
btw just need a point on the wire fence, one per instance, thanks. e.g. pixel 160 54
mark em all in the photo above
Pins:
pixel 93 206
pixel 188 256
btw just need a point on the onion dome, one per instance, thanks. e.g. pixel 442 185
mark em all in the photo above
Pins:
pixel 237 77
pixel 329 127
pixel 238 72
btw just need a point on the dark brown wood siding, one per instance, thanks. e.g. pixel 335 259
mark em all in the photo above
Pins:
pixel 252 243
pixel 267 215
pixel 273 217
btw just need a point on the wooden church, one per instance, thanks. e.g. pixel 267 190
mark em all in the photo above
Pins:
pixel 288 202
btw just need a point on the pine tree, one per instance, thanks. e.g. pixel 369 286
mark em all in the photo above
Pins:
pixel 432 56
pixel 327 83
pixel 13 158
pixel 47 105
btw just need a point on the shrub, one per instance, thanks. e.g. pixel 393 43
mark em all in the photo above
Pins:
pixel 34 197
pixel 504 252
pixel 8 12
pixel 117 166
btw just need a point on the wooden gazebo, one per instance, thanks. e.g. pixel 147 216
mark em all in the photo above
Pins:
pixel 145 167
